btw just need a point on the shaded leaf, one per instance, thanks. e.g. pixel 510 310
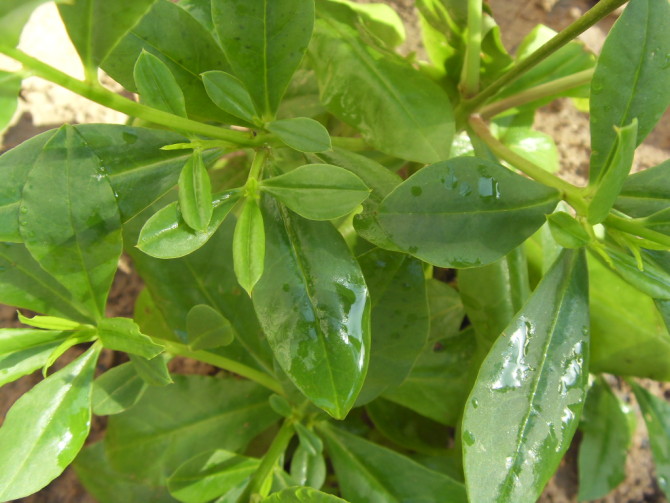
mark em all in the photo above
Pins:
pixel 567 231
pixel 207 328
pixel 10 86
pixel 123 334
pixel 157 86
pixel 301 134
pixel 22 351
pixel 117 390
pixel 14 14
pixel 153 372
pixel 302 495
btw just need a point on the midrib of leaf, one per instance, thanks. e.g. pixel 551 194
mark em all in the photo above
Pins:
pixel 88 63
pixel 399 100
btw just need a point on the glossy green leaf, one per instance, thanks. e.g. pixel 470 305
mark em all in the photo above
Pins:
pixel 123 334
pixel 464 212
pixel 151 445
pixel 264 42
pixel 314 308
pixel 301 134
pixel 307 468
pixel 157 86
pixel 230 95
pixel 369 472
pixel 80 337
pixel 183 44
pixel 96 26
pixel 318 191
pixel 613 174
pixel 45 428
pixel 166 234
pixel 630 79
pixel 117 390
pixel 535 377
pixel 567 231
pixel 397 109
pixel 249 246
pixel 10 86
pixel 195 194
pixel 49 322
pixel 309 439
pixel 153 372
pixel 647 193
pixel 606 437
pixel 208 328
pixel 302 495
pixel 653 280
pixel 400 318
pixel 22 351
pixel 14 14
pixel 445 308
pixel 656 414
pixel 210 475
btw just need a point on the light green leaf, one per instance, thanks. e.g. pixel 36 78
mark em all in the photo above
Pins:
pixel 153 372
pixel 309 439
pixel 123 334
pixel 75 338
pixel 14 14
pixel 22 351
pixel 157 86
pixel 301 134
pixel 318 191
pixel 381 21
pixel 653 280
pixel 249 246
pixel 567 231
pixel 195 194
pixel 539 148
pixel 312 302
pixel 207 328
pixel 630 79
pixel 464 212
pixel 535 376
pixel 10 86
pixel 50 322
pixel 308 468
pixel 302 495
pixel 230 95
pixel 264 41
pixel 45 428
pixel 117 390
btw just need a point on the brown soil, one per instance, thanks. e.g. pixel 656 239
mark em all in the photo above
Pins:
pixel 44 106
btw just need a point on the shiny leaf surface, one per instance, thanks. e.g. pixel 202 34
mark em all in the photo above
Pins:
pixel 207 328
pixel 22 351
pixel 301 134
pixel 230 95
pixel 249 246
pixel 157 86
pixel 123 334
pixel 308 468
pixel 117 390
pixel 195 194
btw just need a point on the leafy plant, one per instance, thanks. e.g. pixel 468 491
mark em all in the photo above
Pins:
pixel 293 193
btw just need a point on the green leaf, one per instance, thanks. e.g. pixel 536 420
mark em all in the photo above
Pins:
pixel 78 248
pixel 200 10
pixel 647 193
pixel 166 234
pixel 210 475
pixel 381 21
pixel 445 308
pixel 369 472
pixel 301 134
pixel 230 95
pixel 50 322
pixel 208 328
pixel 153 372
pixel 312 302
pixel 117 390
pixel 400 318
pixel 656 414
pixel 157 86
pixel 14 14
pixel 318 191
pixel 45 428
pixel 606 437
pixel 249 246
pixel 309 439
pixel 308 468
pixel 613 174
pixel 10 86
pixel 96 26
pixel 195 194
pixel 482 211
pixel 80 337
pixel 123 334
pixel 653 280
pixel 397 109
pixel 264 42
pixel 567 231
pixel 302 495
pixel 534 376
pixel 630 79
pixel 150 444
pixel 22 351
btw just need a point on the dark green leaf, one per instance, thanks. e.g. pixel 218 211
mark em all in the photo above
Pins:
pixel 230 95
pixel 567 231
pixel 157 86
pixel 653 280
pixel 10 85
pixel 123 334
pixel 14 14
pixel 207 328
pixel 249 246
pixel 45 428
pixel 302 495
pixel 22 351
pixel 605 440
pixel 369 472
pixel 308 468
pixel 630 79
pixel 647 193
pixel 302 97
pixel 195 194
pixel 318 191
pixel 313 305
pixel 301 134
pixel 464 212
pixel 151 444
pixel 78 248
pixel 117 390
pixel 264 41
pixel 153 372
pixel 446 310
pixel 535 377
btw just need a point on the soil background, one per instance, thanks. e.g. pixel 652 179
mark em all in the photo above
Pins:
pixel 44 106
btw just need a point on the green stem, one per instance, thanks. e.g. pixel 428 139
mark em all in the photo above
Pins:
pixel 269 461
pixel 538 92
pixel 102 96
pixel 632 227
pixel 258 163
pixel 470 77
pixel 348 143
pixel 226 364
pixel 602 9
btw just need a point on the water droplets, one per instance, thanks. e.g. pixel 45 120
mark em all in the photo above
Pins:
pixel 416 191
pixel 515 369
pixel 468 438
pixel 488 188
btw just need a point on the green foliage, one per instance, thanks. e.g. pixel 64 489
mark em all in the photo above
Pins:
pixel 402 300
